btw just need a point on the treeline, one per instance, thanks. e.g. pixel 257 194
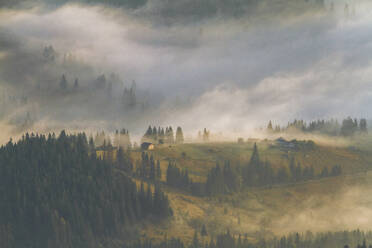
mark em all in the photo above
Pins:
pixel 342 239
pixel 163 135
pixel 256 173
pixel 122 139
pixel 124 161
pixel 116 3
pixel 176 177
pixel 103 140
pixel 107 88
pixel 105 85
pixel 148 168
pixel 179 178
pixel 203 136
pixel 55 193
pixel 222 180
pixel 348 127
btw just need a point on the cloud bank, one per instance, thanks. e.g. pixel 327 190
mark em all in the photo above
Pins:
pixel 225 66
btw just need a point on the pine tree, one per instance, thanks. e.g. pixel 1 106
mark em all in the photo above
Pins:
pixel 251 172
pixel 255 158
pixel 270 127
pixel 324 172
pixel 76 84
pixel 152 174
pixel 195 240
pixel 205 135
pixel 363 125
pixel 158 170
pixel 154 134
pixel 203 231
pixel 132 95
pixel 348 127
pixel 63 82
pixel 91 144
pixel 73 198
pixel 179 136
pixel 170 135
pixel 122 161
pixel 298 173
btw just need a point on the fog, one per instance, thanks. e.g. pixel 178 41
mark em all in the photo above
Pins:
pixel 338 208
pixel 228 68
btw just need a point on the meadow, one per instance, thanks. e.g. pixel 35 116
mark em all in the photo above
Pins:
pixel 273 209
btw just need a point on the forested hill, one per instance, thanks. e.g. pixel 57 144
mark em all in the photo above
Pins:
pixel 55 194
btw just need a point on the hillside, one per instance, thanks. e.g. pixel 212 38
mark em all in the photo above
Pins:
pixel 199 158
pixel 73 198
pixel 268 211
pixel 264 211
pixel 78 200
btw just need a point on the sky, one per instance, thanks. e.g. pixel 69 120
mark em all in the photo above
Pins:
pixel 229 66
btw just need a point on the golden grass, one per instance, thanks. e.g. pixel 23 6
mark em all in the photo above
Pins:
pixel 261 211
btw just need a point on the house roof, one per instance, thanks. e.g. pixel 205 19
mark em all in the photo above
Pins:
pixel 280 140
pixel 146 144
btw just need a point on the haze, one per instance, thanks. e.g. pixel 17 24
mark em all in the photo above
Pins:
pixel 227 69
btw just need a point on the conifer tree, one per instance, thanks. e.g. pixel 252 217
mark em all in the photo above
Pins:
pixel 76 84
pixel 205 135
pixel 363 126
pixel 63 82
pixel 203 231
pixel 270 127
pixel 91 143
pixel 73 198
pixel 255 158
pixel 179 136
pixel 195 240
pixel 158 170
pixel 152 174
pixel 170 135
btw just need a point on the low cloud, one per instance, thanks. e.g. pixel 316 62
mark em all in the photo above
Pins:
pixel 224 71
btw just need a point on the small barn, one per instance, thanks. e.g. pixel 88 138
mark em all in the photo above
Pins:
pixel 284 144
pixel 147 146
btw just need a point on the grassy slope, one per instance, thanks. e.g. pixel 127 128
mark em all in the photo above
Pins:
pixel 277 209
pixel 322 205
pixel 199 158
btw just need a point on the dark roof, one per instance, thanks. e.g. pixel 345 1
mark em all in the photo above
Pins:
pixel 145 145
pixel 280 140
pixel 286 144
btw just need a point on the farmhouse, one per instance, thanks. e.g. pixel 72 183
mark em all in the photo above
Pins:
pixel 282 143
pixel 147 146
